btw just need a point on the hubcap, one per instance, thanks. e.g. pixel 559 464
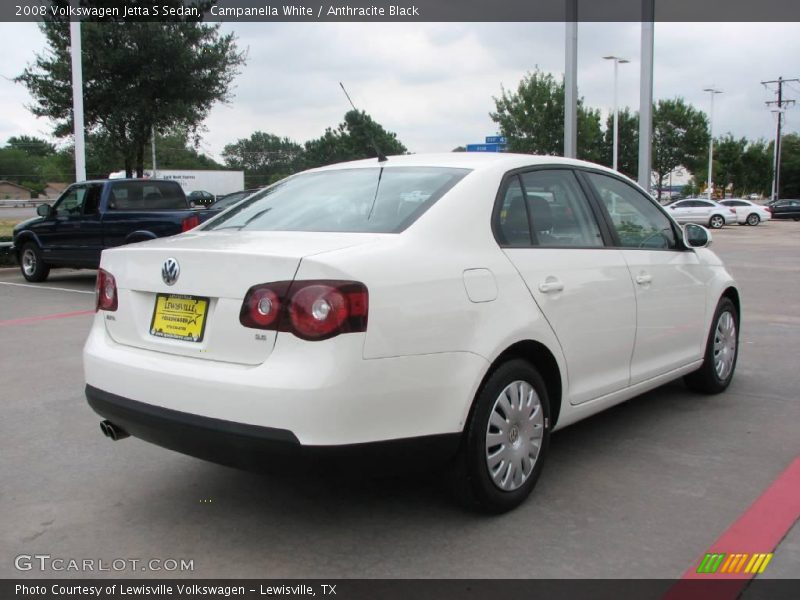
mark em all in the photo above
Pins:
pixel 514 435
pixel 716 222
pixel 29 262
pixel 724 345
pixel 753 219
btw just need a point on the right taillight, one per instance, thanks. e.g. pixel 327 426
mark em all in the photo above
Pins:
pixel 105 291
pixel 190 223
pixel 311 309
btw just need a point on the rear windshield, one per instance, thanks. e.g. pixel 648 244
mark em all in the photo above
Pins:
pixel 373 200
pixel 147 195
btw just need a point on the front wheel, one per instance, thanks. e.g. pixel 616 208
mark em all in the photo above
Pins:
pixel 753 219
pixel 722 350
pixel 505 440
pixel 31 264
pixel 716 222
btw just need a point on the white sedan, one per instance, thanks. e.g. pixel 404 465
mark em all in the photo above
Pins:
pixel 466 304
pixel 747 212
pixel 702 212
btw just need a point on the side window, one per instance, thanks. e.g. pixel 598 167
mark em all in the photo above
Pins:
pixel 560 213
pixel 639 223
pixel 513 219
pixel 71 203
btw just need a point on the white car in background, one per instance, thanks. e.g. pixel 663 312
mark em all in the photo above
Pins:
pixel 703 212
pixel 464 304
pixel 747 212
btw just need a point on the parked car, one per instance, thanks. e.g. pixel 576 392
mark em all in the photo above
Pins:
pixel 201 198
pixel 226 201
pixel 785 209
pixel 91 216
pixel 464 304
pixel 747 212
pixel 702 212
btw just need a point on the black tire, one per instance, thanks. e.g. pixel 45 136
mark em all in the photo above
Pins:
pixel 473 482
pixel 706 379
pixel 716 222
pixel 32 264
pixel 753 219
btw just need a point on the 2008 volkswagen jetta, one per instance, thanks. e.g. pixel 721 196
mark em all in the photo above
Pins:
pixel 472 303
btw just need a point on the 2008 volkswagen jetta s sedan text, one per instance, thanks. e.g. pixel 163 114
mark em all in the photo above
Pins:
pixel 469 304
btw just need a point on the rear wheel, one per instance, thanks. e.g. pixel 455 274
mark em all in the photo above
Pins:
pixel 722 350
pixel 716 222
pixel 31 264
pixel 506 439
pixel 753 219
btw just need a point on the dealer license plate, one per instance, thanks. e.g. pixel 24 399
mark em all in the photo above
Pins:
pixel 179 317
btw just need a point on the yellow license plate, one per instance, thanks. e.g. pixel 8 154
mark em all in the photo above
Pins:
pixel 179 317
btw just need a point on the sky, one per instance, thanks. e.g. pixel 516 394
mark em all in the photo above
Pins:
pixel 433 83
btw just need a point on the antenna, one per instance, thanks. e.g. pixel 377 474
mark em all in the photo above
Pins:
pixel 381 155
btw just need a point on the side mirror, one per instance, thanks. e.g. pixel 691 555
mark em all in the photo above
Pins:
pixel 44 210
pixel 696 236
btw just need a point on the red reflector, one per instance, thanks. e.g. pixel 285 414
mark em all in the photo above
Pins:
pixel 105 291
pixel 190 223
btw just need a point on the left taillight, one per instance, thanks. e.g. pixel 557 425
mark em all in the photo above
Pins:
pixel 190 223
pixel 310 309
pixel 105 291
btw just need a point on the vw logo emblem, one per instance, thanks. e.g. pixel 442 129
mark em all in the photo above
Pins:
pixel 170 271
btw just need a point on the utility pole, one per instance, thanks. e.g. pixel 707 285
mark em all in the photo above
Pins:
pixel 153 144
pixel 780 103
pixel 710 188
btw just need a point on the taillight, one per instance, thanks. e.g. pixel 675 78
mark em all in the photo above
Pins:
pixel 105 292
pixel 190 223
pixel 311 310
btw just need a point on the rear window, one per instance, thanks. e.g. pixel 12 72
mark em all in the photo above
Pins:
pixel 147 195
pixel 373 200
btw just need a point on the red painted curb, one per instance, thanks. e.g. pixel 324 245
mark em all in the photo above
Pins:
pixel 26 320
pixel 759 530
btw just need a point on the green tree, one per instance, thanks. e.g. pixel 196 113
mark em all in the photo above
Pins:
pixel 175 151
pixel 627 142
pixel 32 146
pixel 532 119
pixel 357 137
pixel 264 157
pixel 680 138
pixel 790 166
pixel 757 177
pixel 137 76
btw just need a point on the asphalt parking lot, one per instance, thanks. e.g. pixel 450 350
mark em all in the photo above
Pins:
pixel 639 491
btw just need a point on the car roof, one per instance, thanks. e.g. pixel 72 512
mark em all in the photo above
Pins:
pixel 465 160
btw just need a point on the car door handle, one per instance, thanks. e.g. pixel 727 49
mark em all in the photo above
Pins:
pixel 551 284
pixel 643 278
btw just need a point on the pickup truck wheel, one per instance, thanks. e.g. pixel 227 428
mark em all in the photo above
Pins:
pixel 31 264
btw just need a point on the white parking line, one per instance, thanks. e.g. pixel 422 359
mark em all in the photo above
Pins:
pixel 45 287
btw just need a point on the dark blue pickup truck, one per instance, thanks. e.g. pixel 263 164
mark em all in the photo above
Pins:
pixel 93 215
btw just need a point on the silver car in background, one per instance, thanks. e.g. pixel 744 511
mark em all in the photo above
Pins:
pixel 703 212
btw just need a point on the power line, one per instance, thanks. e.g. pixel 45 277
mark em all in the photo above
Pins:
pixel 780 103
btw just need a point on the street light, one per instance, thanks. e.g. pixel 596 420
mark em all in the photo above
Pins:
pixel 713 91
pixel 617 61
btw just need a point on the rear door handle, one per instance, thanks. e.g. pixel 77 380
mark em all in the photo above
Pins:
pixel 643 278
pixel 551 284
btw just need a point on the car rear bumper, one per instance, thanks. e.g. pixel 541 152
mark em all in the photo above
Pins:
pixel 254 447
pixel 323 393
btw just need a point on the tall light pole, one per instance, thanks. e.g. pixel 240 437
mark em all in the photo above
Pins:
pixel 77 100
pixel 617 62
pixel 571 81
pixel 646 95
pixel 713 91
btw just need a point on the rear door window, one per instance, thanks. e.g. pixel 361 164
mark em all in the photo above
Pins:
pixel 147 195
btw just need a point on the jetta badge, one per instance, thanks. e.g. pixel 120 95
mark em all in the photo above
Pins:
pixel 170 271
